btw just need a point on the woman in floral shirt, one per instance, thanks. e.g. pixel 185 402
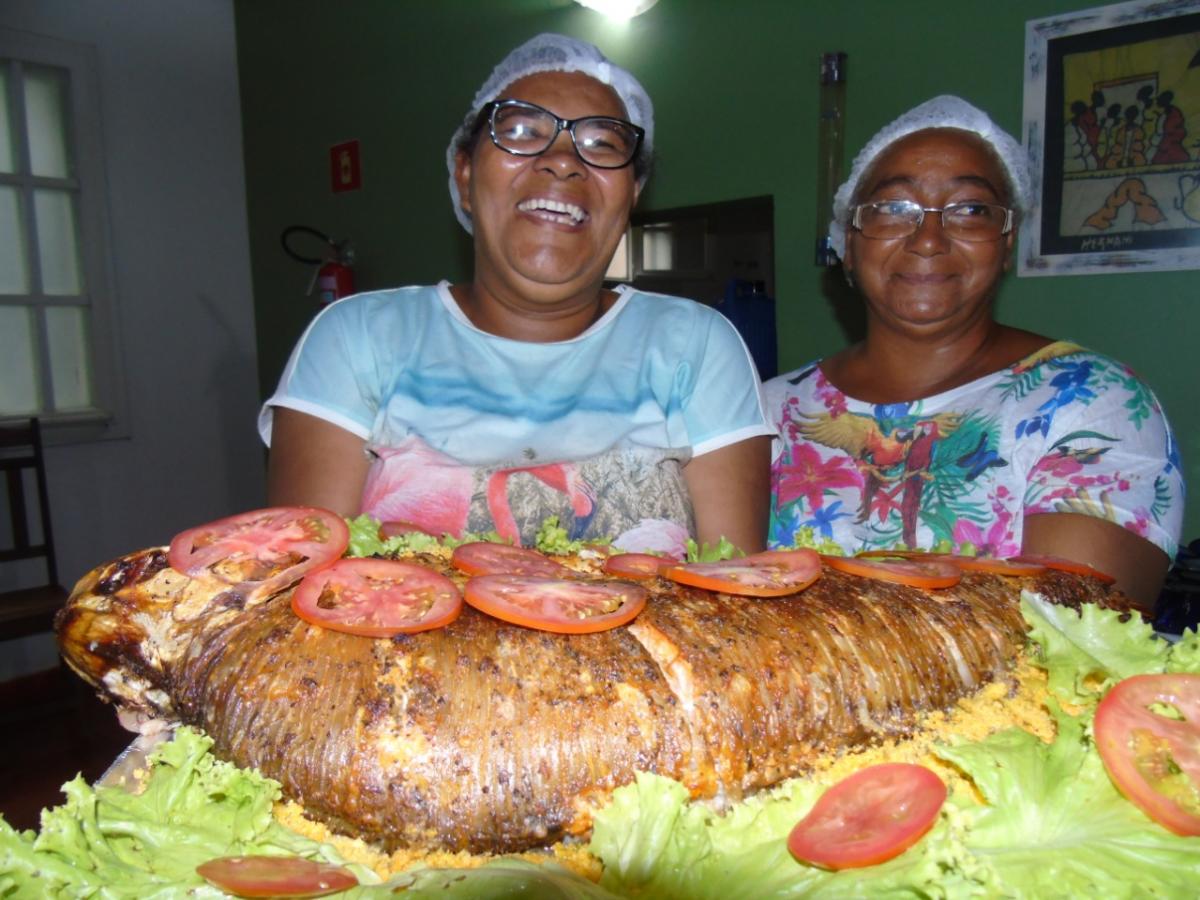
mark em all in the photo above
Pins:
pixel 944 429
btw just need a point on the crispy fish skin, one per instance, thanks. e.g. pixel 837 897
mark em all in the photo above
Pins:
pixel 487 737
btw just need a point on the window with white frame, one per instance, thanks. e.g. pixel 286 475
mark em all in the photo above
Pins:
pixel 56 359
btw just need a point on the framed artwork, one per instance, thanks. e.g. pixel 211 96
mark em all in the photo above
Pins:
pixel 1112 123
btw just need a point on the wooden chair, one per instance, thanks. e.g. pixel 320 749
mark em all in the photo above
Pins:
pixel 28 610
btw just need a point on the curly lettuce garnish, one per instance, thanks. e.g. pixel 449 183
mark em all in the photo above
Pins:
pixel 553 539
pixel 707 553
pixel 807 538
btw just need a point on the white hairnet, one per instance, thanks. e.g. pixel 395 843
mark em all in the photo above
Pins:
pixel 945 111
pixel 553 53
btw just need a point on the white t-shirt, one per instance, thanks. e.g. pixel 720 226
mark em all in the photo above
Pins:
pixel 473 432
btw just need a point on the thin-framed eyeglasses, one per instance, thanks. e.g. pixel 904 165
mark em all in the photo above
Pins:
pixel 526 129
pixel 969 220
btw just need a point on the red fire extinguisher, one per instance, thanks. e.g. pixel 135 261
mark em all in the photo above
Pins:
pixel 333 278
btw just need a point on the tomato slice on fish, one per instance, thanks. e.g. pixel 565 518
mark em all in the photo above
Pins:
pixel 275 876
pixel 993 566
pixel 929 574
pixel 770 574
pixel 264 551
pixel 488 558
pixel 555 604
pixel 1152 756
pixel 1065 565
pixel 871 816
pixel 637 565
pixel 377 598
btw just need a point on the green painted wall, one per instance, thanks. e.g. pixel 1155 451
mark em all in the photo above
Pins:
pixel 735 89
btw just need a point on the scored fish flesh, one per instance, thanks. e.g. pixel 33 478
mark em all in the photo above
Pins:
pixel 489 737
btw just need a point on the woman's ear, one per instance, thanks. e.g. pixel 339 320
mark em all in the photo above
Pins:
pixel 1009 241
pixel 462 178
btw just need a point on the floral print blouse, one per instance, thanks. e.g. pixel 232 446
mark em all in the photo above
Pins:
pixel 1063 430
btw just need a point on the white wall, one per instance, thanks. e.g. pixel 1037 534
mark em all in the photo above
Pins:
pixel 181 270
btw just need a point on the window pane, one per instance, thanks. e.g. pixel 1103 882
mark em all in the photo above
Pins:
pixel 6 135
pixel 45 113
pixel 677 246
pixel 18 387
pixel 14 273
pixel 55 211
pixel 66 332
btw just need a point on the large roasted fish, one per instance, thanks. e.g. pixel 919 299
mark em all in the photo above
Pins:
pixel 494 738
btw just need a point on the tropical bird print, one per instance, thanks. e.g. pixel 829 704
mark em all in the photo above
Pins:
pixel 903 453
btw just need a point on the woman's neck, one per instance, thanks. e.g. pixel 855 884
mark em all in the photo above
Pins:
pixel 520 319
pixel 888 367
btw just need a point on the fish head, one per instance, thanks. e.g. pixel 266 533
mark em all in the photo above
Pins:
pixel 120 629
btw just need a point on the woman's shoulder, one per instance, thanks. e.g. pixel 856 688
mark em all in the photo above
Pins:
pixel 653 304
pixel 376 313
pixel 790 382
pixel 1068 355
pixel 800 388
pixel 394 299
pixel 689 325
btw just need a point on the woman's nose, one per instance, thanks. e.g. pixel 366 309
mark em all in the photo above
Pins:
pixel 930 238
pixel 561 158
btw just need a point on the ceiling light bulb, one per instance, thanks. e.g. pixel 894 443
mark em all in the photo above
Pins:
pixel 618 9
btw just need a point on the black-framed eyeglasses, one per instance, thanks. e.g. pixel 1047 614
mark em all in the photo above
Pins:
pixel 526 129
pixel 966 221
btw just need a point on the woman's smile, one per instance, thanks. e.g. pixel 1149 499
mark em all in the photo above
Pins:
pixel 556 212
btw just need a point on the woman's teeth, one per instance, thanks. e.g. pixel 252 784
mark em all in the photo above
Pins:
pixel 556 208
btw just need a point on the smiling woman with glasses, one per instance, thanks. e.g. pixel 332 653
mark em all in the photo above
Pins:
pixel 943 429
pixel 532 391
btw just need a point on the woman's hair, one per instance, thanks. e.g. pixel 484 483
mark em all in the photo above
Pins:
pixel 945 111
pixel 553 53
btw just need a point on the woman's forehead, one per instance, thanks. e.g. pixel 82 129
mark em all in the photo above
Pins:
pixel 941 156
pixel 569 94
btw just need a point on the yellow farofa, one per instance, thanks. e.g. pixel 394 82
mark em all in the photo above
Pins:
pixel 1017 701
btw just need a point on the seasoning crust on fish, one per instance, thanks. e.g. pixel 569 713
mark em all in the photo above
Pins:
pixel 489 737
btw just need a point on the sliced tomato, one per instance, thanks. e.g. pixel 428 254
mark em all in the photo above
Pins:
pixel 770 574
pixel 264 551
pixel 1152 757
pixel 554 604
pixel 488 558
pixel 993 566
pixel 1065 565
pixel 637 565
pixel 275 876
pixel 377 598
pixel 929 574
pixel 871 816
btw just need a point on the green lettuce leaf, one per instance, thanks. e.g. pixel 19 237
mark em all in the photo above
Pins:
pixel 655 845
pixel 807 537
pixel 1054 825
pixel 706 552
pixel 364 537
pixel 503 879
pixel 552 538
pixel 366 541
pixel 1185 653
pixel 1086 653
pixel 108 842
